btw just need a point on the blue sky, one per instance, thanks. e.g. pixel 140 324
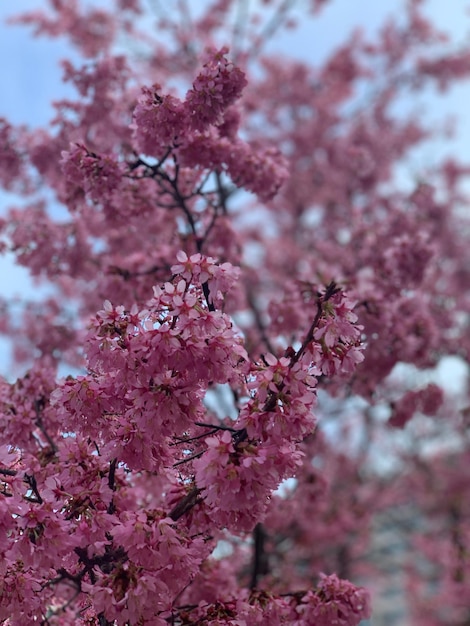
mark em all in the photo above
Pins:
pixel 29 71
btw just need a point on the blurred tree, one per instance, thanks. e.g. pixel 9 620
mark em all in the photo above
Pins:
pixel 235 263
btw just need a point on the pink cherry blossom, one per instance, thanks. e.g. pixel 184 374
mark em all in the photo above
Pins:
pixel 217 86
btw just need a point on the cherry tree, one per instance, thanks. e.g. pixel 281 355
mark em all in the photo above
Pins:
pixel 237 274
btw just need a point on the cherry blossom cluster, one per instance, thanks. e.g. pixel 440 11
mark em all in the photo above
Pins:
pixel 90 30
pixel 163 121
pixel 276 417
pixel 201 130
pixel 10 159
pixel 334 601
pixel 67 505
pixel 150 368
pixel 427 400
pixel 219 85
pixel 99 176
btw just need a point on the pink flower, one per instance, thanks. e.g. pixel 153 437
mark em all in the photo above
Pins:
pixel 159 122
pixel 336 603
pixel 218 85
pixel 99 176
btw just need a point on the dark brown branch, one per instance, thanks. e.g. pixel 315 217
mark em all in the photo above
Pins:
pixel 8 472
pixel 330 291
pixel 183 440
pixel 205 290
pixel 112 474
pixel 112 485
pixel 30 480
pixel 260 558
pixel 196 455
pixel 185 504
pixel 216 426
pixel 38 408
pixel 103 621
